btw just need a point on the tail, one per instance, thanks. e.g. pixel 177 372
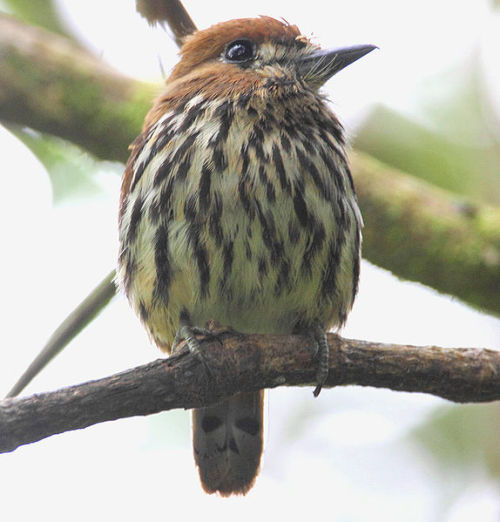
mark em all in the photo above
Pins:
pixel 227 443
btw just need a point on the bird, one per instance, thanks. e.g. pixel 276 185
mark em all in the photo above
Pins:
pixel 238 206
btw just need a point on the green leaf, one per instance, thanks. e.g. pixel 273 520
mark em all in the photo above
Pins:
pixel 72 171
pixel 42 13
pixel 456 149
pixel 464 436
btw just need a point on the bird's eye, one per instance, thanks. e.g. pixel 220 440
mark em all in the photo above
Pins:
pixel 239 51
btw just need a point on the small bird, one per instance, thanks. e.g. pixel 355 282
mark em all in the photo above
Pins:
pixel 238 206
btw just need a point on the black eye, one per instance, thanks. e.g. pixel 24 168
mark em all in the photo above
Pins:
pixel 239 51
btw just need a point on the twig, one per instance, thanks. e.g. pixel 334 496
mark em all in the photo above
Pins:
pixel 245 363
pixel 170 13
pixel 76 321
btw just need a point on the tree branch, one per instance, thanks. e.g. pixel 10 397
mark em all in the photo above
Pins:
pixel 239 362
pixel 169 13
pixel 426 234
pixel 52 85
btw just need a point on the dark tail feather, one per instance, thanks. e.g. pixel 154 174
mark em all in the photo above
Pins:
pixel 227 443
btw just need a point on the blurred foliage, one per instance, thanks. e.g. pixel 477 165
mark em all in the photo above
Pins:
pixel 464 436
pixel 72 171
pixel 42 13
pixel 458 149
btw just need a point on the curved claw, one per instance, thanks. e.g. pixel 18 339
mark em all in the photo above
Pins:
pixel 323 357
pixel 188 333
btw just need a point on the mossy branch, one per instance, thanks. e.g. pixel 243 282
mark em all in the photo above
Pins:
pixel 246 363
pixel 52 85
pixel 426 234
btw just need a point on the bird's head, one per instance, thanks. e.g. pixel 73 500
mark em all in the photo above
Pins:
pixel 257 53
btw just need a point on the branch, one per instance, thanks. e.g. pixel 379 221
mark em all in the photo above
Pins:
pixel 169 13
pixel 74 323
pixel 426 234
pixel 413 229
pixel 52 85
pixel 245 363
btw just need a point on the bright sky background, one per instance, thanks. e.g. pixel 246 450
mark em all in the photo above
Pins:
pixel 349 459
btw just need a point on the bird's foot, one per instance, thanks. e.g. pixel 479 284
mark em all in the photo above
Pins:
pixel 322 355
pixel 189 333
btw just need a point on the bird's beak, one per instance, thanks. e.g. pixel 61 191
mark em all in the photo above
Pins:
pixel 321 65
